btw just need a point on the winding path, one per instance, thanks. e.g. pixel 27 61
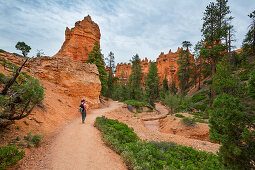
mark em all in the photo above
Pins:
pixel 79 146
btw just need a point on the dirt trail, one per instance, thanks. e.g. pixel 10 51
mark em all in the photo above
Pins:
pixel 79 146
pixel 76 147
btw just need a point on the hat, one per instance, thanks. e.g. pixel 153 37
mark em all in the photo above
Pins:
pixel 83 100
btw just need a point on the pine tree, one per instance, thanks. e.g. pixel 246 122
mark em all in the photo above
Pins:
pixel 135 78
pixel 173 89
pixel 251 84
pixel 152 84
pixel 226 127
pixel 249 41
pixel 185 67
pixel 165 85
pixel 111 66
pixel 96 57
pixel 214 30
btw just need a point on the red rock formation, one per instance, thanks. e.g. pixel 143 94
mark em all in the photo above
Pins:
pixel 79 41
pixel 166 64
pixel 123 71
pixel 69 77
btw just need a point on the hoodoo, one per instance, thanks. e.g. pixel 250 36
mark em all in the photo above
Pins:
pixel 79 40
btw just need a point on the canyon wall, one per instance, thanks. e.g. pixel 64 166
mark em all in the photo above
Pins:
pixel 166 64
pixel 79 41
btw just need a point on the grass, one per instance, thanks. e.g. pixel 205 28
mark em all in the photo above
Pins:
pixel 28 141
pixel 138 154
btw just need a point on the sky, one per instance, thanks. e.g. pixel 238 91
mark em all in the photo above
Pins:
pixel 128 27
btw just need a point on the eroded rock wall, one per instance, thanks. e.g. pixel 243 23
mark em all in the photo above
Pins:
pixel 79 40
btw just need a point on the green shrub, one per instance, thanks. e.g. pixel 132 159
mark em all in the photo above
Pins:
pixel 201 107
pixel 179 115
pixel 135 103
pixel 2 51
pixel 251 84
pixel 9 156
pixel 138 154
pixel 188 121
pixel 244 75
pixel 33 140
pixel 198 97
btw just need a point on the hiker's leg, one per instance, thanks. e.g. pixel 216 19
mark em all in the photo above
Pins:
pixel 85 114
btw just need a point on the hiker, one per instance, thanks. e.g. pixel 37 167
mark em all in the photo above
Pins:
pixel 82 109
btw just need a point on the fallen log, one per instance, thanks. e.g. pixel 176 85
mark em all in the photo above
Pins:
pixel 154 118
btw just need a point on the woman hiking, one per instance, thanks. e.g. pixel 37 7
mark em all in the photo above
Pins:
pixel 82 109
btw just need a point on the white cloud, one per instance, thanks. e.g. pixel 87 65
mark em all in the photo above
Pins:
pixel 146 27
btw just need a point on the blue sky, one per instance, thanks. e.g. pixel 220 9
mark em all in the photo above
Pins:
pixel 146 27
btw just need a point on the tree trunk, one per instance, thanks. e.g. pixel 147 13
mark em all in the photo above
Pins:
pixel 9 83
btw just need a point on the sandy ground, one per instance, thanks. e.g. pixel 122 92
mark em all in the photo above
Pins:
pixel 77 146
pixel 162 130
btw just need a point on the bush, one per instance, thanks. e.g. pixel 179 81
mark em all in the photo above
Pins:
pixel 2 51
pixel 33 140
pixel 188 121
pixel 138 154
pixel 179 115
pixel 135 103
pixel 251 84
pixel 9 156
pixel 199 97
pixel 244 75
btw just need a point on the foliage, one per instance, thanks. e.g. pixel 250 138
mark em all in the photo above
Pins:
pixel 110 81
pixel 2 51
pixel 96 57
pixel 22 98
pixel 249 41
pixel 225 82
pixel 33 140
pixel 251 84
pixel 135 103
pixel 173 89
pixel 23 47
pixel 165 85
pixel 172 102
pixel 179 115
pixel 9 156
pixel 198 97
pixel 135 78
pixel 227 126
pixel 244 74
pixel 188 121
pixel 138 154
pixel 186 67
pixel 152 84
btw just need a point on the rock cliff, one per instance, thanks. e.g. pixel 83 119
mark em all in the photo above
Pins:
pixel 166 64
pixel 79 41
pixel 69 77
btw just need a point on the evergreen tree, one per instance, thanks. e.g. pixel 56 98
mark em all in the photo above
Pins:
pixel 227 127
pixel 185 67
pixel 199 62
pixel 225 82
pixel 152 84
pixel 111 66
pixel 214 30
pixel 165 85
pixel 96 57
pixel 135 78
pixel 251 83
pixel 173 89
pixel 249 41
